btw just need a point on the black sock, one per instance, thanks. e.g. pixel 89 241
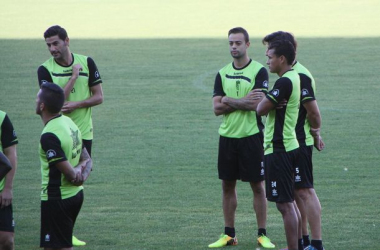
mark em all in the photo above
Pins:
pixel 300 244
pixel 230 231
pixel 262 231
pixel 317 244
pixel 306 240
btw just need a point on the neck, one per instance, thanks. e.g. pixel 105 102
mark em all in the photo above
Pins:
pixel 241 62
pixel 46 117
pixel 66 59
pixel 284 70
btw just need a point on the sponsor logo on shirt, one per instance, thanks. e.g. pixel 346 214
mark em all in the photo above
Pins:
pixel 305 92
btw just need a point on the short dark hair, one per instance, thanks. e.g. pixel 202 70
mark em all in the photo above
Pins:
pixel 52 96
pixel 239 30
pixel 283 48
pixel 280 35
pixel 56 30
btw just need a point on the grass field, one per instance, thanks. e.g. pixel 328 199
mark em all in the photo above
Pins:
pixel 155 183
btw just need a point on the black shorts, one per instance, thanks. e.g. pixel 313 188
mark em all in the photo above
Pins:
pixel 88 145
pixel 7 224
pixel 303 175
pixel 57 221
pixel 279 176
pixel 241 158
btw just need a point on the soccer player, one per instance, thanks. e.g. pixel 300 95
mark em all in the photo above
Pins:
pixel 65 165
pixel 77 75
pixel 308 134
pixel 240 143
pixel 8 142
pixel 280 141
pixel 80 79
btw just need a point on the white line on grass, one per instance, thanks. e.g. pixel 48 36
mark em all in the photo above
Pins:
pixel 199 82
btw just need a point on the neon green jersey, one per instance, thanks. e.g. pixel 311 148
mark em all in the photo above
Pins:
pixel 308 92
pixel 280 134
pixel 51 71
pixel 60 141
pixel 237 83
pixel 8 137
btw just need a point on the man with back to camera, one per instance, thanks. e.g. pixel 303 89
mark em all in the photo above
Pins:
pixel 8 142
pixel 240 144
pixel 308 134
pixel 80 79
pixel 65 165
pixel 280 141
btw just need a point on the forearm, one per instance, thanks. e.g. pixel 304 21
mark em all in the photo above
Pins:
pixel 69 86
pixel 222 109
pixel 240 104
pixel 315 120
pixel 90 102
pixel 87 170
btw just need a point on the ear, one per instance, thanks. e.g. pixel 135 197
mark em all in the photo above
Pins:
pixel 42 106
pixel 67 41
pixel 282 59
pixel 248 44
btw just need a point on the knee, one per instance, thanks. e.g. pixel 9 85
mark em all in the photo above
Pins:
pixel 6 243
pixel 258 188
pixel 228 186
pixel 284 208
pixel 304 193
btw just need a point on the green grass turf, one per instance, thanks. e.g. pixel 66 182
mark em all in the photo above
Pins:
pixel 154 184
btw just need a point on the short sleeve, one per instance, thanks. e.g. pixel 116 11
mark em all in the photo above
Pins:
pixel 8 134
pixel 307 91
pixel 94 76
pixel 218 87
pixel 43 75
pixel 51 145
pixel 261 80
pixel 282 89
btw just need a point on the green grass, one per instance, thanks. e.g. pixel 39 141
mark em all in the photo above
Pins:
pixel 154 184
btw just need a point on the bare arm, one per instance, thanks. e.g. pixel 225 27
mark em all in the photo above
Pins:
pixel 70 84
pixel 315 120
pixel 264 107
pixel 85 157
pixel 6 196
pixel 68 171
pixel 221 108
pixel 95 99
pixel 247 103
pixel 313 115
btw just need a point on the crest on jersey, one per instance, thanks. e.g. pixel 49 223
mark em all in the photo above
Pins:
pixel 275 92
pixel 265 84
pixel 50 154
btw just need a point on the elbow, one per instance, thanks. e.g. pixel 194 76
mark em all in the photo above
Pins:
pixel 217 113
pixel 260 111
pixel 100 99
